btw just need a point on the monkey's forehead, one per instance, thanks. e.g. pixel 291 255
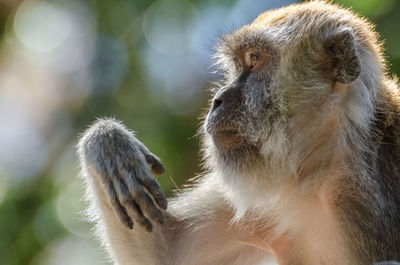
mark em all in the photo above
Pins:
pixel 280 28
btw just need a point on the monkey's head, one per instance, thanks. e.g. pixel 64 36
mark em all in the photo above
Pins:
pixel 294 80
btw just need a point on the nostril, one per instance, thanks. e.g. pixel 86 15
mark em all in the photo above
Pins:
pixel 216 104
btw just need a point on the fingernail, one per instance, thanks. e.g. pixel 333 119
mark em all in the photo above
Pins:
pixel 129 224
pixel 157 169
pixel 149 227
pixel 164 203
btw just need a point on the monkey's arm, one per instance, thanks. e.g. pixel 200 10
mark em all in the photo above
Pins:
pixel 124 195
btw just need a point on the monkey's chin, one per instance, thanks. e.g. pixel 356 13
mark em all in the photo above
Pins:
pixel 226 139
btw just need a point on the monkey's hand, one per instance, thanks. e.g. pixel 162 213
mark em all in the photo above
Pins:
pixel 122 167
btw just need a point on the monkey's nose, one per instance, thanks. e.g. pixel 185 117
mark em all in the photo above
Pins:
pixel 227 97
pixel 216 104
pixel 223 95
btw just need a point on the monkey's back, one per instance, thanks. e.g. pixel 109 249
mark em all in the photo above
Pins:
pixel 375 214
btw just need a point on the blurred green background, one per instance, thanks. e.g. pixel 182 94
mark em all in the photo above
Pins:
pixel 64 63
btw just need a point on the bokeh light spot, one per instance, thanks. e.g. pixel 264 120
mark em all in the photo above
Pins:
pixel 110 65
pixel 45 224
pixel 165 26
pixel 24 149
pixel 71 250
pixel 41 26
pixel 70 206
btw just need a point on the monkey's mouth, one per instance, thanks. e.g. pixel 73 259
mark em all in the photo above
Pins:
pixel 226 138
pixel 224 132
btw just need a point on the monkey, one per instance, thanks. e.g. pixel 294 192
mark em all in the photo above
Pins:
pixel 301 151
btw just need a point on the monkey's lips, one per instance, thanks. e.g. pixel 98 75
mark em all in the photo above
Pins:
pixel 224 132
pixel 226 138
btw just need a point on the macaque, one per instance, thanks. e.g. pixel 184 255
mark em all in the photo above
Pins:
pixel 301 146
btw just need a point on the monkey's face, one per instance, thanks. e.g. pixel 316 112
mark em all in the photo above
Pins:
pixel 242 107
pixel 279 93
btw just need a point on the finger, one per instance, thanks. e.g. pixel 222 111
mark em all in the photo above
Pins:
pixel 119 210
pixel 156 167
pixel 147 205
pixel 155 190
pixel 154 162
pixel 136 212
pixel 142 198
pixel 132 209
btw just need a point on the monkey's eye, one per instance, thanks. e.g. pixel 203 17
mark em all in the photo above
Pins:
pixel 253 60
pixel 238 68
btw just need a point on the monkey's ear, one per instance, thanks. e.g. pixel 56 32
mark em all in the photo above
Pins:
pixel 341 48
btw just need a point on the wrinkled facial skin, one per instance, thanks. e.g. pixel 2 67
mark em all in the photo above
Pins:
pixel 241 110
